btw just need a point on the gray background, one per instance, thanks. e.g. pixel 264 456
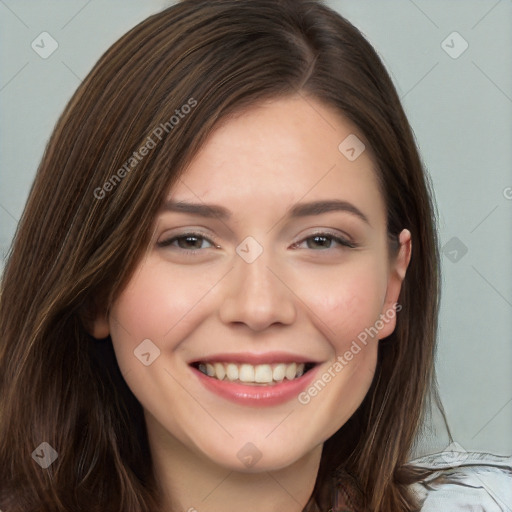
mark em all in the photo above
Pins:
pixel 460 109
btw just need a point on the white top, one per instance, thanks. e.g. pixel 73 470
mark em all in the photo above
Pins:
pixel 465 482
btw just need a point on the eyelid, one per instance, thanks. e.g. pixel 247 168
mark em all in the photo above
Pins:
pixel 342 239
pixel 188 232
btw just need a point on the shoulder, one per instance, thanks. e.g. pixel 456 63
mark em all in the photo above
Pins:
pixel 464 481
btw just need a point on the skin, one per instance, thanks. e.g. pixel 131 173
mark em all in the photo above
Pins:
pixel 299 296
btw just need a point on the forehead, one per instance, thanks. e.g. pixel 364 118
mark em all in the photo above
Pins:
pixel 279 152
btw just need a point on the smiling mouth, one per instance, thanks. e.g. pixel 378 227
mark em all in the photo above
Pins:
pixel 260 374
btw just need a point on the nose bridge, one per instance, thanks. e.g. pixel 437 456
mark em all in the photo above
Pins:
pixel 256 279
pixel 254 294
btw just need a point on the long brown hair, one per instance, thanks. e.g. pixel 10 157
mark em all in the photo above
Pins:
pixel 88 220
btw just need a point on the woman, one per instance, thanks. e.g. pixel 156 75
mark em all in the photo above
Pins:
pixel 225 282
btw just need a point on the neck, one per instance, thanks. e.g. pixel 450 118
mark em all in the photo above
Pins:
pixel 190 482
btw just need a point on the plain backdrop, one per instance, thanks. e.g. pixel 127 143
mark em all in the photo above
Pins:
pixel 450 62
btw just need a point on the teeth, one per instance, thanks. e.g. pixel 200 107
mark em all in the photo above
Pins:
pixel 291 371
pixel 263 373
pixel 232 371
pixel 248 373
pixel 210 370
pixel 220 372
pixel 279 372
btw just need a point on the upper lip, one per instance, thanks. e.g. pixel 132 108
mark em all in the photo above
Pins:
pixel 254 359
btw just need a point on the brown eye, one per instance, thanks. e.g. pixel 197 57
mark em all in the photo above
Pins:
pixel 190 242
pixel 324 241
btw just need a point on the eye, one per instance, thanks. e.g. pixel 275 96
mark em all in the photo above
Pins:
pixel 324 241
pixel 187 242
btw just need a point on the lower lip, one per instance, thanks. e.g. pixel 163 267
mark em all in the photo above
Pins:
pixel 257 395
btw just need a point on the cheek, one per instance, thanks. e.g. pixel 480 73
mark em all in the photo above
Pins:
pixel 347 303
pixel 346 306
pixel 158 306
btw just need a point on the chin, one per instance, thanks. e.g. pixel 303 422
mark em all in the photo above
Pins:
pixel 251 458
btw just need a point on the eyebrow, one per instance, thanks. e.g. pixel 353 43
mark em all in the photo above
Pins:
pixel 298 210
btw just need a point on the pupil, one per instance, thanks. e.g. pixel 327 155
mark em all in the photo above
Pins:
pixel 320 239
pixel 189 241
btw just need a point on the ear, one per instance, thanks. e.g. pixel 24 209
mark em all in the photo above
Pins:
pixel 396 276
pixel 100 328
pixel 95 321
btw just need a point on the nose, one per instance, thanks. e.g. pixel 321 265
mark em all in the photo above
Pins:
pixel 257 296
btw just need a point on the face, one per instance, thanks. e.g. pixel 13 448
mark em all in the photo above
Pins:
pixel 249 331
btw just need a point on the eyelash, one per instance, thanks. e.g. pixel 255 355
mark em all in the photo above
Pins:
pixel 169 241
pixel 343 242
pixel 336 238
